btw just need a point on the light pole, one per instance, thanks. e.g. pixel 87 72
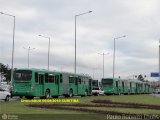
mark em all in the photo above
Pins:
pixel 75 64
pixel 48 48
pixel 29 49
pixel 103 60
pixel 114 53
pixel 13 41
pixel 159 60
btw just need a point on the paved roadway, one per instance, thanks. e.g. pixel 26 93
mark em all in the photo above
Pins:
pixel 157 95
pixel 16 98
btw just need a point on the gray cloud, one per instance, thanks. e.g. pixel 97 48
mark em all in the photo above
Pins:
pixel 137 19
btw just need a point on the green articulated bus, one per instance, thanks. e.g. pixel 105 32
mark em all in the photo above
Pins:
pixel 112 86
pixel 43 83
pixel 122 86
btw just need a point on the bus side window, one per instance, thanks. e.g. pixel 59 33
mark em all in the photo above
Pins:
pixel 46 78
pixel 85 80
pixel 56 79
pixel 71 79
pixel 41 78
pixel 116 83
pixel 82 79
pixel 61 80
pixel 51 79
pixel 123 84
pixel 36 77
pixel 76 81
pixel 79 80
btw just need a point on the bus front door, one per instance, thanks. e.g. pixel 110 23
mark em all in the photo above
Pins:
pixel 90 86
pixel 76 84
pixel 41 84
pixel 56 84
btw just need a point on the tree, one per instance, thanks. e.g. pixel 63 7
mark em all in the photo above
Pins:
pixel 140 77
pixel 5 71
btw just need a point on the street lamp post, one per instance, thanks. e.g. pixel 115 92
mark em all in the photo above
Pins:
pixel 159 60
pixel 114 53
pixel 29 49
pixel 75 65
pixel 103 60
pixel 48 48
pixel 13 41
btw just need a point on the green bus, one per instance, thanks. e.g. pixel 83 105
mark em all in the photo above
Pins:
pixel 122 86
pixel 112 86
pixel 43 83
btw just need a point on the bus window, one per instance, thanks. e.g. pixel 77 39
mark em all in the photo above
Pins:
pixel 85 80
pixel 79 80
pixel 71 79
pixel 116 83
pixel 123 84
pixel 61 80
pixel 41 79
pixel 46 78
pixel 50 78
pixel 25 75
pixel 36 77
pixel 130 85
pixel 56 79
pixel 107 82
pixel 119 83
pixel 76 83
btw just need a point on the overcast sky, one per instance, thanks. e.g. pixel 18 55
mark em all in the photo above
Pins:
pixel 137 53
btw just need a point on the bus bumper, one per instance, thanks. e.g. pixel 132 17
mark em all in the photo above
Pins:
pixel 21 93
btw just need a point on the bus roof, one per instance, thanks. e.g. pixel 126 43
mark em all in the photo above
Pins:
pixel 55 71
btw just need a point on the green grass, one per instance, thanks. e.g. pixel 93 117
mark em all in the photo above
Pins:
pixel 17 107
pixel 126 110
pixel 145 99
pixel 25 112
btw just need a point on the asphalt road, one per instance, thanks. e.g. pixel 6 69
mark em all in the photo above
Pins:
pixel 16 98
pixel 157 95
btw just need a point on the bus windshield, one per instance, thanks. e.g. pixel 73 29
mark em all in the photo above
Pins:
pixel 24 75
pixel 107 82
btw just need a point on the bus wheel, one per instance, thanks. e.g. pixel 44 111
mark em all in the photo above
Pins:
pixel 55 96
pixel 7 98
pixel 71 93
pixel 11 94
pixel 86 93
pixel 21 96
pixel 47 94
pixel 29 97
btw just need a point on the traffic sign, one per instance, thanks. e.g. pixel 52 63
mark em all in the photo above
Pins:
pixel 155 74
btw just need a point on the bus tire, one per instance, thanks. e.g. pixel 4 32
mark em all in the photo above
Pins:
pixel 55 96
pixel 7 98
pixel 71 93
pixel 11 94
pixel 29 97
pixel 21 96
pixel 47 94
pixel 86 93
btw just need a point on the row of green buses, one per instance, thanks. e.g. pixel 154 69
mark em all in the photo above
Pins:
pixel 43 83
pixel 120 86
